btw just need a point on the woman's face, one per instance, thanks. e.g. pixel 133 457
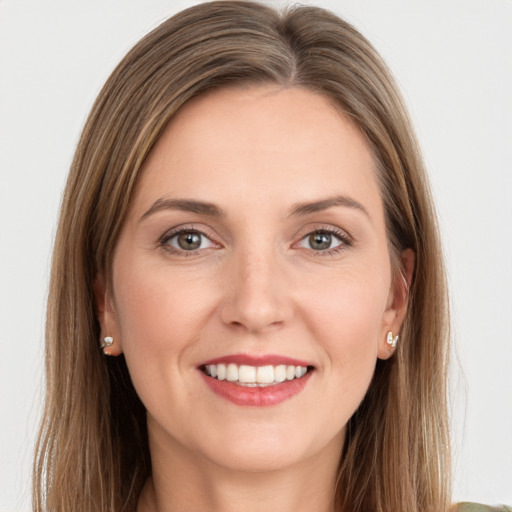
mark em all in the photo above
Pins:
pixel 255 250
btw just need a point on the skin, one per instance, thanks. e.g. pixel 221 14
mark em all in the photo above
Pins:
pixel 256 285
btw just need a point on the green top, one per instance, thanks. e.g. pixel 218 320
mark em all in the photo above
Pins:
pixel 475 507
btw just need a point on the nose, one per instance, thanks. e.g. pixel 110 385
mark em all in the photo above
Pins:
pixel 256 296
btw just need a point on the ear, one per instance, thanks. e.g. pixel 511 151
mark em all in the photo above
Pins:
pixel 106 316
pixel 397 306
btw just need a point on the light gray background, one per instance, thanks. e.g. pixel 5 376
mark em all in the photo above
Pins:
pixel 453 61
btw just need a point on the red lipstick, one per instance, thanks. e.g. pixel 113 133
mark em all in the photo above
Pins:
pixel 256 394
pixel 257 360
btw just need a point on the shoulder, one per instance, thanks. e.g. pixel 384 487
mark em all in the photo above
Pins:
pixel 475 507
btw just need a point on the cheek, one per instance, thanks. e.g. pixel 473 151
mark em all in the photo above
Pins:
pixel 345 320
pixel 347 311
pixel 159 320
pixel 154 308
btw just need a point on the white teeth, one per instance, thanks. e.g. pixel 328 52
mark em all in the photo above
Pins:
pixel 221 371
pixel 265 375
pixel 300 371
pixel 280 373
pixel 247 375
pixel 232 372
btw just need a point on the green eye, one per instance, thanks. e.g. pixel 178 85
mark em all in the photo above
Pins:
pixel 187 240
pixel 320 241
pixel 323 240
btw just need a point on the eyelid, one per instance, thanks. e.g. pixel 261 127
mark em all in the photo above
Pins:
pixel 186 228
pixel 342 235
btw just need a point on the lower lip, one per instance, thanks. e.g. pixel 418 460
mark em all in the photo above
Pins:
pixel 257 396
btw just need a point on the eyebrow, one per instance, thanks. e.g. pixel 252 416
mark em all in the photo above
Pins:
pixel 212 210
pixel 186 205
pixel 324 204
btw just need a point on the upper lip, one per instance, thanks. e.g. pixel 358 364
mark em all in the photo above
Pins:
pixel 257 360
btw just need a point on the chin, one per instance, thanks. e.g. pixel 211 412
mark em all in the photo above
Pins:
pixel 255 460
pixel 262 448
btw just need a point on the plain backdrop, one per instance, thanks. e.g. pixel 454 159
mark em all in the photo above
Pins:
pixel 453 62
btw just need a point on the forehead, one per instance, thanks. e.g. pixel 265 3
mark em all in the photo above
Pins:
pixel 280 143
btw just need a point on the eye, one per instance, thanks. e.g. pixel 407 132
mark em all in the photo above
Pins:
pixel 187 240
pixel 323 240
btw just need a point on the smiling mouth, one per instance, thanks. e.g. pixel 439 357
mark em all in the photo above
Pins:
pixel 255 376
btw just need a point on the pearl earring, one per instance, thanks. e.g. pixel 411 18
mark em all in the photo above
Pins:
pixel 107 342
pixel 391 340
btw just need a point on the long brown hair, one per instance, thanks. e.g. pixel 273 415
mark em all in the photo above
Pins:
pixel 93 451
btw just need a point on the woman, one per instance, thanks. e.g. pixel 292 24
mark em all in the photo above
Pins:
pixel 247 226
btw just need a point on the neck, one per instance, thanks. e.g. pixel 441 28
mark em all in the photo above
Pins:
pixel 184 482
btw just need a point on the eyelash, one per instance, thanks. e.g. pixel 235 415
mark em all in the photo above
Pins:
pixel 345 241
pixel 164 241
pixel 342 236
